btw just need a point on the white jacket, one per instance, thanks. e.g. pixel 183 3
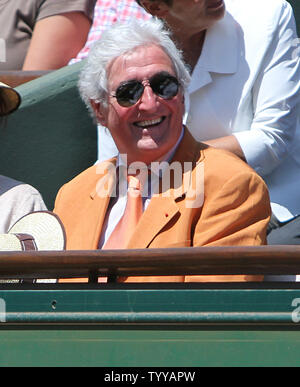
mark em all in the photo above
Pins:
pixel 246 83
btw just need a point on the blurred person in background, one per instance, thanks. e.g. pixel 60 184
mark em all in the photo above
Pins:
pixel 43 34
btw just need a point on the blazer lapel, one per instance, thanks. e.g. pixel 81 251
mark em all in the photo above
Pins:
pixel 159 212
pixel 220 53
pixel 99 200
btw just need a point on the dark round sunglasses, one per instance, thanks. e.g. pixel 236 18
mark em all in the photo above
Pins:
pixel 163 84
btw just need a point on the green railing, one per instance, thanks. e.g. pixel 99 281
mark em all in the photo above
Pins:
pixel 150 324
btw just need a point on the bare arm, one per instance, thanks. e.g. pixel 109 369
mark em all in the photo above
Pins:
pixel 56 40
pixel 229 143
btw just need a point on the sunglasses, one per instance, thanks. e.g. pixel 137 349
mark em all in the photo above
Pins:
pixel 163 84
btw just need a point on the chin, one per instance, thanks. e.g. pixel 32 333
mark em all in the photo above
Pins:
pixel 147 145
pixel 149 154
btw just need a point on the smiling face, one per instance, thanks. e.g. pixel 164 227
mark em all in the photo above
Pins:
pixel 150 128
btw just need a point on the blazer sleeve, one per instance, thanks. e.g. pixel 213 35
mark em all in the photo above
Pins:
pixel 236 214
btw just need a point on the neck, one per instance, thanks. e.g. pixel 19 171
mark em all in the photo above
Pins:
pixel 192 48
pixel 189 41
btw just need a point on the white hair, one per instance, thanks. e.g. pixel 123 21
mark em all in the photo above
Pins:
pixel 121 39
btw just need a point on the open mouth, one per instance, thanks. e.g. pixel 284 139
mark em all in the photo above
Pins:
pixel 149 123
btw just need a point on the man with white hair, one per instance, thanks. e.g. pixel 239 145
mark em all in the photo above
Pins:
pixel 134 84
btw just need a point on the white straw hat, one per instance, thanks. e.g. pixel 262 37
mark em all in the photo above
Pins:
pixel 41 230
pixel 12 99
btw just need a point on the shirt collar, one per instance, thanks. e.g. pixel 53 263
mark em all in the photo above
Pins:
pixel 220 52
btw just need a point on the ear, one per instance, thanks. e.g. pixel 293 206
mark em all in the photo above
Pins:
pixel 99 111
pixel 156 8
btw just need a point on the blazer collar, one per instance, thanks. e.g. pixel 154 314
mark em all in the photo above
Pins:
pixel 106 176
pixel 105 183
pixel 220 53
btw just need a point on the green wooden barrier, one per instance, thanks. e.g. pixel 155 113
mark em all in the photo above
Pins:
pixel 142 327
pixel 151 325
pixel 51 138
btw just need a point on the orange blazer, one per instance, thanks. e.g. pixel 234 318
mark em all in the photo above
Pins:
pixel 221 202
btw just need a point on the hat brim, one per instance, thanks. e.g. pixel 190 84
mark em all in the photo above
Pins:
pixel 45 227
pixel 12 99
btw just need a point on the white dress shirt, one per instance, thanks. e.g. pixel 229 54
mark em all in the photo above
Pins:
pixel 247 83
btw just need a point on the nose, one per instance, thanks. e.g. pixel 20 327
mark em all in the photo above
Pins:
pixel 148 100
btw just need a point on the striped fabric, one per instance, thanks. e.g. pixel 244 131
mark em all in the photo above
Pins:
pixel 106 13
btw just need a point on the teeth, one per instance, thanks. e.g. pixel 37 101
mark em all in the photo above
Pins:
pixel 149 122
